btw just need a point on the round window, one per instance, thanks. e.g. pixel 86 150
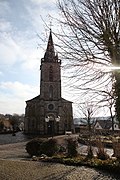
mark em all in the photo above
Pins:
pixel 50 106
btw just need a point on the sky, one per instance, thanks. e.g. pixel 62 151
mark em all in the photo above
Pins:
pixel 22 26
pixel 20 54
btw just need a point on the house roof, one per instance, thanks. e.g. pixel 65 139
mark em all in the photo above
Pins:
pixel 105 124
pixel 82 121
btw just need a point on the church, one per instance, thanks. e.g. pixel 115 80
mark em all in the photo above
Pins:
pixel 49 113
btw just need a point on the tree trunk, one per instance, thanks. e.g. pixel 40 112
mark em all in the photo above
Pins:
pixel 112 119
pixel 117 95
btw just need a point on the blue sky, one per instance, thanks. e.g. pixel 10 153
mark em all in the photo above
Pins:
pixel 20 22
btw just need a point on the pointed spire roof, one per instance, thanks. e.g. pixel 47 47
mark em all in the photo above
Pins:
pixel 50 46
pixel 50 53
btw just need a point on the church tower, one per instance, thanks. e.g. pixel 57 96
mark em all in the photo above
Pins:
pixel 50 84
pixel 49 113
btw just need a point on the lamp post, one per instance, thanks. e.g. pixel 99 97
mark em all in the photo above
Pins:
pixel 57 120
pixel 47 118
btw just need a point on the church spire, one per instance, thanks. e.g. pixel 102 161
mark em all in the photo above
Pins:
pixel 50 53
pixel 50 46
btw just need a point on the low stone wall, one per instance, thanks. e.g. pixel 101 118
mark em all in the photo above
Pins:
pixel 95 142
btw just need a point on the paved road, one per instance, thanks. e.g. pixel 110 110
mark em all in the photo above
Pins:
pixel 8 138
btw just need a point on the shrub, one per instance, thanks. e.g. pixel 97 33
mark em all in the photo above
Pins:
pixel 40 146
pixel 90 152
pixel 33 146
pixel 49 147
pixel 101 152
pixel 61 149
pixel 71 147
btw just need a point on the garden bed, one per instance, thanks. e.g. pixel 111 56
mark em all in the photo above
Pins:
pixel 111 165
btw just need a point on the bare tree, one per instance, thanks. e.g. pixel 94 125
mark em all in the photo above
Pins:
pixel 14 120
pixel 108 101
pixel 88 110
pixel 105 99
pixel 91 42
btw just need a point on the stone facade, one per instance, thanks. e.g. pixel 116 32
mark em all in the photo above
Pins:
pixel 49 113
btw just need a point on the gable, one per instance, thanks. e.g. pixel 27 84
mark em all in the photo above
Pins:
pixel 105 124
pixel 98 126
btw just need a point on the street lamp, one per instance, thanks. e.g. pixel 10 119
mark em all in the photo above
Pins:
pixel 57 120
pixel 47 118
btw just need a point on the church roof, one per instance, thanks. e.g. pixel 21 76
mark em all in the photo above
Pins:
pixel 66 101
pixel 37 98
pixel 50 52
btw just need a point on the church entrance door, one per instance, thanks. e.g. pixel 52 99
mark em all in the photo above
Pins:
pixel 50 128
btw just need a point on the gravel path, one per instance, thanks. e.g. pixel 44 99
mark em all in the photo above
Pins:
pixel 29 170
pixel 13 151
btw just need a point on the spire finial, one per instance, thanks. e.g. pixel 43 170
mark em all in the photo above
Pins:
pixel 50 19
pixel 50 25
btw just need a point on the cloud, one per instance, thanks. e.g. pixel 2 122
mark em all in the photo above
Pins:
pixel 12 105
pixel 4 7
pixel 5 26
pixel 43 9
pixel 19 48
pixel 20 23
pixel 1 73
pixel 40 2
pixel 32 61
pixel 9 50
pixel 13 96
pixel 18 89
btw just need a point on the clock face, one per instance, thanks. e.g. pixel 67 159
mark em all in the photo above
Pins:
pixel 50 106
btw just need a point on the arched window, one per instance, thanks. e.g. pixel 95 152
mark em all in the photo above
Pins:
pixel 50 92
pixel 51 73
